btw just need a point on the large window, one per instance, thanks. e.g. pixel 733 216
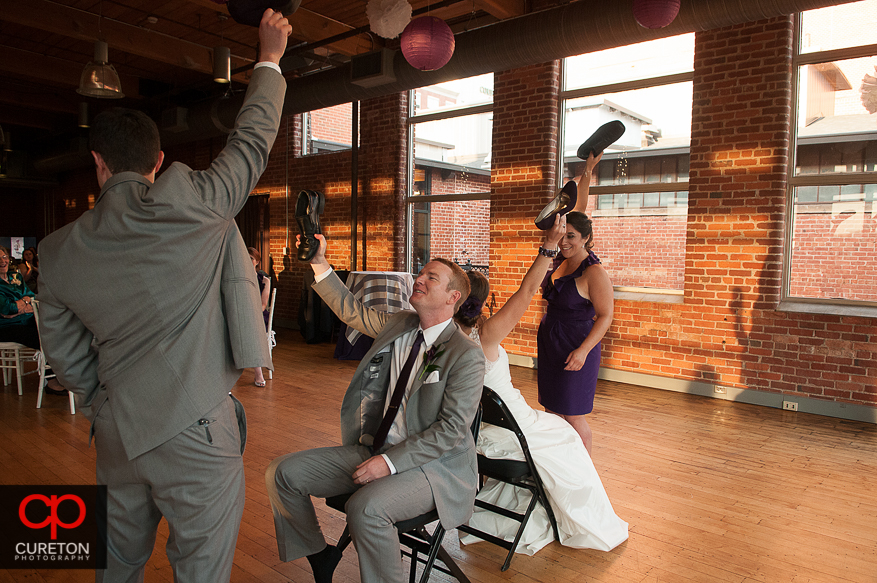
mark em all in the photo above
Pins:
pixel 639 191
pixel 449 197
pixel 833 181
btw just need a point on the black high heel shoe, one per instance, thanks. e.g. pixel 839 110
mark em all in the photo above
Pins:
pixel 308 209
pixel 564 202
pixel 606 135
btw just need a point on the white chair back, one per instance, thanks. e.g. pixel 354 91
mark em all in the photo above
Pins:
pixel 272 342
pixel 43 365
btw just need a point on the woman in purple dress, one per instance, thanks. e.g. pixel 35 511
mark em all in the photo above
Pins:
pixel 580 307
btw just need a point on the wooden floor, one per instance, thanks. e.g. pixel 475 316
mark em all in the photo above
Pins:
pixel 713 490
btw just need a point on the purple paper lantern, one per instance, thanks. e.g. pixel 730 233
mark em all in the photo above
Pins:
pixel 655 13
pixel 427 43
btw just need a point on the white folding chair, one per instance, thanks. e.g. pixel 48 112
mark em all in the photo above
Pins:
pixel 271 340
pixel 42 366
pixel 12 358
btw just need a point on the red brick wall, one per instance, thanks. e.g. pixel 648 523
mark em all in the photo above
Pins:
pixel 524 159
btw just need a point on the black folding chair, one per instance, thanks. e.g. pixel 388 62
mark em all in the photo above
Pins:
pixel 414 535
pixel 519 473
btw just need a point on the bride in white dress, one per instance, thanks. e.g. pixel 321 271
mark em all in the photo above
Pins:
pixel 585 518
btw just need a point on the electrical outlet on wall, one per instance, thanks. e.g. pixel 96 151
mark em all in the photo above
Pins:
pixel 719 390
pixel 790 405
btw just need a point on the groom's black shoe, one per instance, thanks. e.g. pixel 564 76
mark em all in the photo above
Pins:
pixel 308 209
pixel 323 563
pixel 564 202
pixel 606 135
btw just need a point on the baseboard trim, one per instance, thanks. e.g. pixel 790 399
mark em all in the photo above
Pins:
pixel 849 411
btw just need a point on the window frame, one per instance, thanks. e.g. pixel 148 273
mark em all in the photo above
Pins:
pixel 410 199
pixel 788 302
pixel 662 295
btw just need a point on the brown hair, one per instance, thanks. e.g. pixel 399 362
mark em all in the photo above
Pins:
pixel 459 280
pixel 480 288
pixel 581 223
pixel 254 254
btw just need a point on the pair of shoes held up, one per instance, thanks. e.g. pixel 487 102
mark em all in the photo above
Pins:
pixel 565 200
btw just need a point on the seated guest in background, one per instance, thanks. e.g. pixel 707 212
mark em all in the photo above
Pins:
pixel 265 293
pixel 17 323
pixel 29 268
pixel 585 517
pixel 395 466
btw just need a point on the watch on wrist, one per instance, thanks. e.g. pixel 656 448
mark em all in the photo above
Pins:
pixel 551 254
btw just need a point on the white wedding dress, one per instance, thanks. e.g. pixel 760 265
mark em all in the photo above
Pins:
pixel 585 518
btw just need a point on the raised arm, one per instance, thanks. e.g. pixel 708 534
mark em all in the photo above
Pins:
pixel 496 328
pixel 227 184
pixel 340 300
pixel 584 182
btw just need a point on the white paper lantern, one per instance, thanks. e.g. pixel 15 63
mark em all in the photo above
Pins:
pixel 388 18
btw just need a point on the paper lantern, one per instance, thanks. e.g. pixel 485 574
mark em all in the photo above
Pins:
pixel 427 43
pixel 388 18
pixel 655 13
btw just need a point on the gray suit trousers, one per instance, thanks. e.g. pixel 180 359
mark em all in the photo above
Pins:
pixel 371 511
pixel 203 508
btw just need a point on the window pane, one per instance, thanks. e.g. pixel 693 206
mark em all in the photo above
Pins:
pixel 833 245
pixel 459 231
pixel 657 123
pixel 837 27
pixel 654 58
pixel 837 125
pixel 460 147
pixel 454 94
pixel 327 130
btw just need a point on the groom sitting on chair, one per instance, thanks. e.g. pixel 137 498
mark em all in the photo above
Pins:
pixel 399 466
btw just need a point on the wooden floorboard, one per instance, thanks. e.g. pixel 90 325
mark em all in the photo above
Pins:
pixel 714 491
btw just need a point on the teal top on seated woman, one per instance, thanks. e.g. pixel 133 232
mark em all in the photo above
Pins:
pixel 12 291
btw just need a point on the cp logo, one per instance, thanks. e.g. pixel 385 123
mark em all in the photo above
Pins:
pixel 52 504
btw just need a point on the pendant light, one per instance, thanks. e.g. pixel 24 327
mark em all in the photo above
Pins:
pixel 222 57
pixel 99 78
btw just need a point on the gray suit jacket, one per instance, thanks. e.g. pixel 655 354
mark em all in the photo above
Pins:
pixel 439 415
pixel 145 297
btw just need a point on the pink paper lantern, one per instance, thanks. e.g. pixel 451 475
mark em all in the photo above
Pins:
pixel 427 43
pixel 655 13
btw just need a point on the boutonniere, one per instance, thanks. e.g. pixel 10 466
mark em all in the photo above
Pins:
pixel 429 360
pixel 13 279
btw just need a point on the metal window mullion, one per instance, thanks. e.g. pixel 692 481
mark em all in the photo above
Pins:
pixel 627 85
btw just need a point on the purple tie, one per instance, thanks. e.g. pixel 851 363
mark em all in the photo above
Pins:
pixel 396 399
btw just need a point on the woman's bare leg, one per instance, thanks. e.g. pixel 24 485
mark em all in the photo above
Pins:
pixel 581 426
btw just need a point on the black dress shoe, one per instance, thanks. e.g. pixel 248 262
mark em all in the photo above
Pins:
pixel 54 391
pixel 564 202
pixel 308 209
pixel 250 12
pixel 606 135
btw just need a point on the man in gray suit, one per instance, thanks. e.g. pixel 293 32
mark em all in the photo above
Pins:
pixel 149 309
pixel 427 459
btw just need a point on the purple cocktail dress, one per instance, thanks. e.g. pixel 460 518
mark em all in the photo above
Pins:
pixel 566 323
